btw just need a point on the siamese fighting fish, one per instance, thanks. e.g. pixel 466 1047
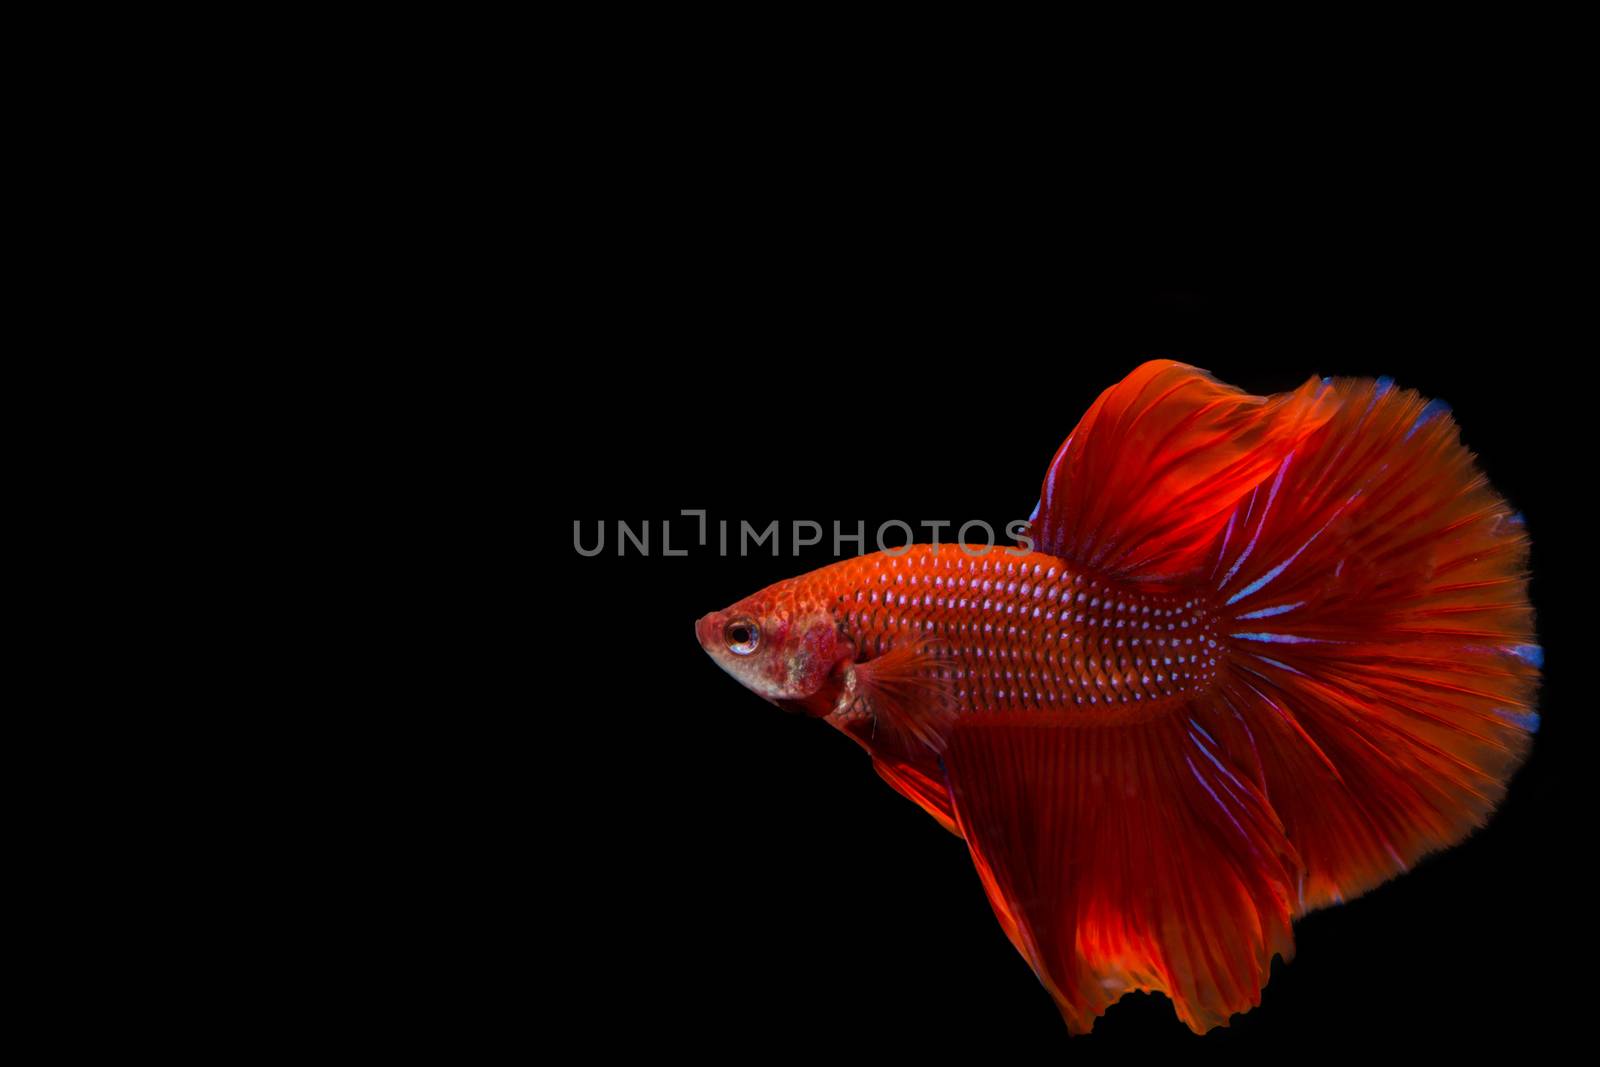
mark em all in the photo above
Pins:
pixel 1255 656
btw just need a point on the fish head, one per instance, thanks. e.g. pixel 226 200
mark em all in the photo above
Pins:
pixel 779 643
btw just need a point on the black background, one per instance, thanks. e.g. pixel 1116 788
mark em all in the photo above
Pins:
pixel 739 880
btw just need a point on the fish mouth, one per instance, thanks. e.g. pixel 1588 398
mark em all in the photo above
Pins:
pixel 708 629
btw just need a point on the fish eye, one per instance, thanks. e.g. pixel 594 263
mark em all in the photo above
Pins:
pixel 743 636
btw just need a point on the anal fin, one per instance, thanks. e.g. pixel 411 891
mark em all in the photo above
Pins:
pixel 1123 858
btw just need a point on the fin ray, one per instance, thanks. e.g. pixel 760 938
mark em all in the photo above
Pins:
pixel 921 787
pixel 909 698
pixel 1152 472
pixel 1125 858
pixel 1379 704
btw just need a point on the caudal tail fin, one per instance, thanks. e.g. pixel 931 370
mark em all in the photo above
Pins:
pixel 1382 665
pixel 1367 698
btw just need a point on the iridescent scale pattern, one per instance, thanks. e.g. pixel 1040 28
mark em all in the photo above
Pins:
pixel 1028 633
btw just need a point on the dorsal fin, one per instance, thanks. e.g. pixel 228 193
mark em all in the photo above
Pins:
pixel 1149 477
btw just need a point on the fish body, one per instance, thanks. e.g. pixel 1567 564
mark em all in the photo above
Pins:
pixel 1262 655
pixel 1012 632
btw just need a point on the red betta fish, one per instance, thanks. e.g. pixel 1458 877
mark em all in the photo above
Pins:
pixel 1269 652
